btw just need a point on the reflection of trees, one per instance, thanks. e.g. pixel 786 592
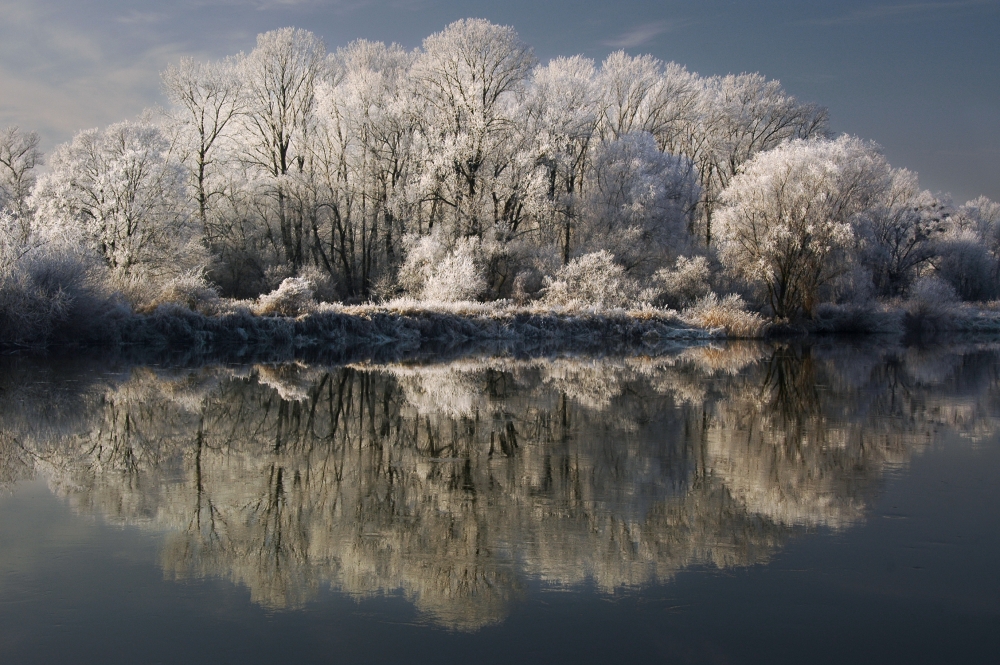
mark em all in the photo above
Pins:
pixel 451 483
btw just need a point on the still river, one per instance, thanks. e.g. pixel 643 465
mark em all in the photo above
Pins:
pixel 824 502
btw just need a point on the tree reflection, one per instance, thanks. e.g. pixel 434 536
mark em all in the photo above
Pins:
pixel 454 484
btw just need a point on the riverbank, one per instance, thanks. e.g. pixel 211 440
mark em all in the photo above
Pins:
pixel 238 330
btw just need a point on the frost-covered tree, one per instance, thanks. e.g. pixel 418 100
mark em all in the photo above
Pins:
pixel 643 94
pixel 898 234
pixel 967 253
pixel 741 116
pixel 790 214
pixel 19 155
pixel 563 103
pixel 206 99
pixel 638 201
pixel 963 261
pixel 279 85
pixel 363 149
pixel 470 77
pixel 119 194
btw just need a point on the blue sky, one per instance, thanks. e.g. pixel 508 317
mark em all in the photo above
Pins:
pixel 920 78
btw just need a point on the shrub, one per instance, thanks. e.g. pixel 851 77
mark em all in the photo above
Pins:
pixel 457 276
pixel 191 291
pixel 682 286
pixel 729 313
pixel 966 265
pixel 324 284
pixel 434 273
pixel 931 306
pixel 591 280
pixel 865 317
pixel 48 292
pixel 293 297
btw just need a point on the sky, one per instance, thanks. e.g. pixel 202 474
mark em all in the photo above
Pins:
pixel 921 78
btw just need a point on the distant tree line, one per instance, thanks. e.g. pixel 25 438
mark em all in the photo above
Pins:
pixel 466 170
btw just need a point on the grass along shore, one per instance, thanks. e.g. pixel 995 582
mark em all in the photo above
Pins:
pixel 288 323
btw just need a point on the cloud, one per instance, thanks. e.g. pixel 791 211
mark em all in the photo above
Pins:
pixel 900 11
pixel 641 34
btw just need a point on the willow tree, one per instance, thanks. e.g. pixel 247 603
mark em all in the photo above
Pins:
pixel 790 215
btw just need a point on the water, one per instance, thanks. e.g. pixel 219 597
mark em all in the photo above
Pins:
pixel 742 503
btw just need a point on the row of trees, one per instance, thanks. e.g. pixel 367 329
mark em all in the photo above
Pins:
pixel 467 170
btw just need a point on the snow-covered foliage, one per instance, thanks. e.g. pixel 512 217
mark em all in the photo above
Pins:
pixel 296 158
pixel 19 155
pixel 192 291
pixel 293 297
pixel 436 274
pixel 465 170
pixel 790 216
pixel 121 195
pixel 49 291
pixel 593 279
pixel 897 235
pixel 640 201
pixel 681 286
pixel 964 262
pixel 729 313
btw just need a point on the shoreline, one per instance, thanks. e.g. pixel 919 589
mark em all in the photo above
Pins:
pixel 338 332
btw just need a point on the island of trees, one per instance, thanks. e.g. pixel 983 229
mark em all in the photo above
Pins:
pixel 465 176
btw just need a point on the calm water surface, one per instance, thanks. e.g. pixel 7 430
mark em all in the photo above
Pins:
pixel 732 504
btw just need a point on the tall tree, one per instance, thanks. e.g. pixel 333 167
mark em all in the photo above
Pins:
pixel 279 84
pixel 471 77
pixel 207 97
pixel 742 116
pixel 19 155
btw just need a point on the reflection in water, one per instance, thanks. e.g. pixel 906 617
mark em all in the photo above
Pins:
pixel 457 483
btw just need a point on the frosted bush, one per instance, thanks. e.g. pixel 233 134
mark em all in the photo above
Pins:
pixel 324 284
pixel 434 273
pixel 591 280
pixel 192 291
pixel 422 254
pixel 729 313
pixel 931 306
pixel 933 291
pixel 293 297
pixel 967 266
pixel 682 286
pixel 457 276
pixel 47 289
